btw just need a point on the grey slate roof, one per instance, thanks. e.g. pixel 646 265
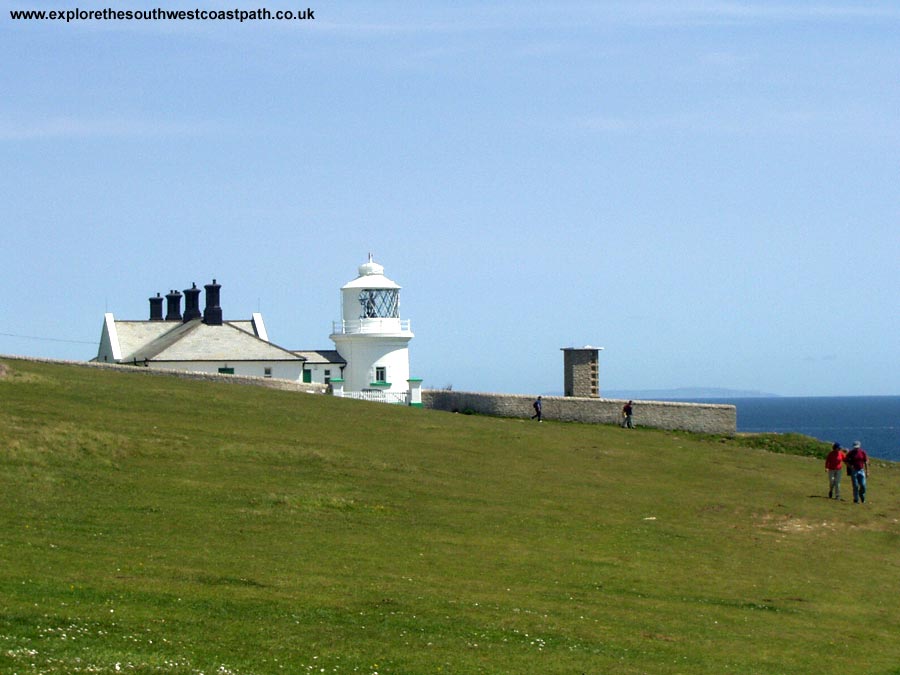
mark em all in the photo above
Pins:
pixel 322 356
pixel 197 341
pixel 244 325
pixel 135 334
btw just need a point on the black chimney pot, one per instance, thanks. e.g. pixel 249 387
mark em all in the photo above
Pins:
pixel 173 306
pixel 212 315
pixel 156 308
pixel 191 303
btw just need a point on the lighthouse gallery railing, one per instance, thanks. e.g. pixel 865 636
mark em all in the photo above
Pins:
pixel 371 326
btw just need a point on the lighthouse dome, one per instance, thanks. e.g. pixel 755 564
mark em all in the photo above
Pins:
pixel 370 267
pixel 371 275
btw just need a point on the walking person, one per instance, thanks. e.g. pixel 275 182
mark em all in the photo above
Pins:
pixel 538 409
pixel 627 415
pixel 858 466
pixel 834 466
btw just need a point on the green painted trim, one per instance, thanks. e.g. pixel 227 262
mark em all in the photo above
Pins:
pixel 337 380
pixel 414 379
pixel 379 384
pixel 416 405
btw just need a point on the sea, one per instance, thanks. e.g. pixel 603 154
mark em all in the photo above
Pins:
pixel 874 421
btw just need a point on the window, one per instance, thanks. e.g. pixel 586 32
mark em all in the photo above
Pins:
pixel 267 372
pixel 379 303
pixel 226 371
pixel 381 374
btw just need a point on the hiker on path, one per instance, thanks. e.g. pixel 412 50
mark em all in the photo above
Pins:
pixel 627 412
pixel 834 466
pixel 538 407
pixel 858 465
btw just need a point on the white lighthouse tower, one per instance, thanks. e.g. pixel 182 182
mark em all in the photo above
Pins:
pixel 371 337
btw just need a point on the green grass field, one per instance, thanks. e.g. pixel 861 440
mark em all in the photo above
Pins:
pixel 155 525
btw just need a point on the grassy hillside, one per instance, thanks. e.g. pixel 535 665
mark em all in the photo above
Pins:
pixel 155 525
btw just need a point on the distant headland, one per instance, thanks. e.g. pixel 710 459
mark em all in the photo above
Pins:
pixel 686 393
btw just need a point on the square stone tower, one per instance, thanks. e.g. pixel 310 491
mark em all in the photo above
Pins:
pixel 581 371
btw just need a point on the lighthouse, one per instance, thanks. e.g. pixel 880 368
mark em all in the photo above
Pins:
pixel 371 336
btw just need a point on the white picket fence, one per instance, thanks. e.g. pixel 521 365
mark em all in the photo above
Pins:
pixel 397 398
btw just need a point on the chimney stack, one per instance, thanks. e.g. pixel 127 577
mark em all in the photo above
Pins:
pixel 156 308
pixel 173 306
pixel 191 303
pixel 212 315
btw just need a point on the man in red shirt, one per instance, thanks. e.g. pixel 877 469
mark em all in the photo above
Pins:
pixel 858 463
pixel 834 466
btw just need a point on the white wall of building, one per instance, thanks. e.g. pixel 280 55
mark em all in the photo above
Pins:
pixel 323 373
pixel 365 355
pixel 287 370
pixel 109 341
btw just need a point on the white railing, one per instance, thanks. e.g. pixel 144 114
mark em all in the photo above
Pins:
pixel 395 397
pixel 371 326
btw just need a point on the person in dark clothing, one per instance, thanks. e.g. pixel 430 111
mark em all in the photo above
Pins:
pixel 538 410
pixel 627 412
pixel 858 465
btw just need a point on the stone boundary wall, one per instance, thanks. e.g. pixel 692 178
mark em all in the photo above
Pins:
pixel 268 382
pixel 708 418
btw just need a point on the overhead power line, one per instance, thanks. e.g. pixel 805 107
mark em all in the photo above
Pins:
pixel 49 339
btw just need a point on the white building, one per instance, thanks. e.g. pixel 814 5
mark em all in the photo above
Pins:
pixel 371 336
pixel 321 366
pixel 371 359
pixel 197 342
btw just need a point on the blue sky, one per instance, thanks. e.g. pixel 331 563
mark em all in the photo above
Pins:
pixel 708 190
